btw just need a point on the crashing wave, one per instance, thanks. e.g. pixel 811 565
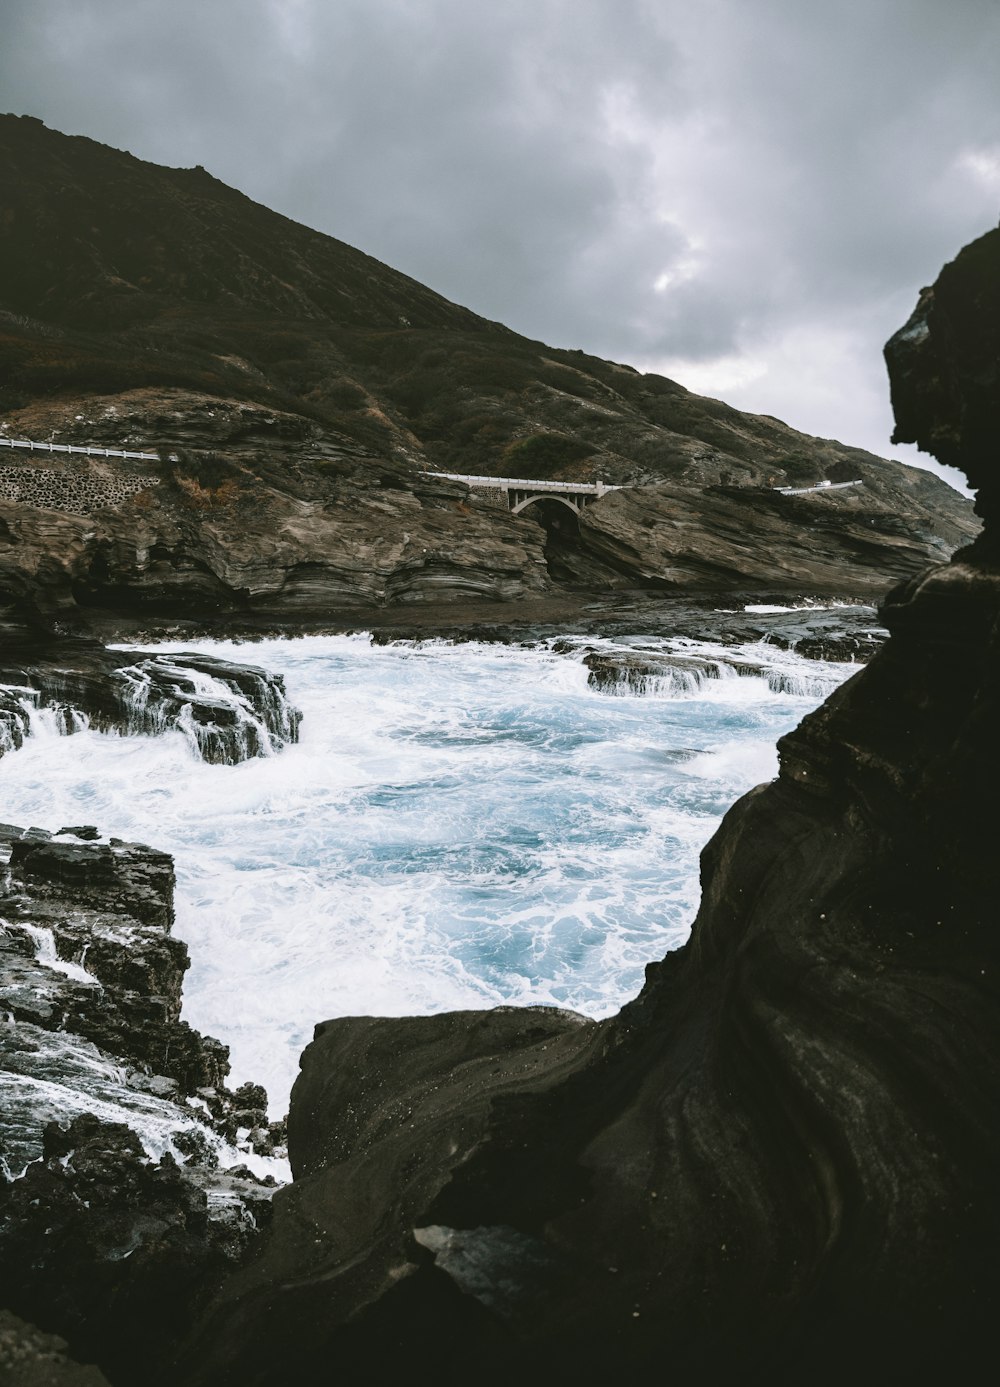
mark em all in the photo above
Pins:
pixel 227 712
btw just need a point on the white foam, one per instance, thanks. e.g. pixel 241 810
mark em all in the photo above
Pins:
pixel 459 827
pixel 45 953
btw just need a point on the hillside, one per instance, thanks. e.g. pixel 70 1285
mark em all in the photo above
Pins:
pixel 158 306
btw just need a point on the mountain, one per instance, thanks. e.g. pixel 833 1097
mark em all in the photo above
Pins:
pixel 777 1165
pixel 159 307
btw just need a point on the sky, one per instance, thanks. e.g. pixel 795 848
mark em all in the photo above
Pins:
pixel 744 195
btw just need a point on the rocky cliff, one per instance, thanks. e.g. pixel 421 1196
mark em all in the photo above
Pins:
pixel 134 1197
pixel 779 1163
pixel 304 388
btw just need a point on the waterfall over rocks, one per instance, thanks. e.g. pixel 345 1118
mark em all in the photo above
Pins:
pixel 227 712
pixel 130 1175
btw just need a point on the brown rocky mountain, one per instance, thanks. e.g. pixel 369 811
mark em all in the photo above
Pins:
pixel 776 1166
pixel 305 385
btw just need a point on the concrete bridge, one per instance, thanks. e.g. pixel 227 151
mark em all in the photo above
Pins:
pixel 517 493
pixel 820 486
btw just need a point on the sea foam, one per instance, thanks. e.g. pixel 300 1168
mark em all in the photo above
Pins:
pixel 460 826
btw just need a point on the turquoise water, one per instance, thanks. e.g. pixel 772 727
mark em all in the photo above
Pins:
pixel 460 826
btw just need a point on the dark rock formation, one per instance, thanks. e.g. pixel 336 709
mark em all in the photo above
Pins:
pixel 29 1358
pixel 829 542
pixel 101 1241
pixel 115 1248
pixel 296 389
pixel 228 712
pixel 106 911
pixel 665 671
pixel 777 1165
pixel 944 369
pixel 842 631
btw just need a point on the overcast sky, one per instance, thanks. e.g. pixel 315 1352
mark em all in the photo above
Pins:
pixel 745 195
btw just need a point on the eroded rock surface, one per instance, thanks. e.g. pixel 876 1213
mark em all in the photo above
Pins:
pixel 124 1196
pixel 298 392
pixel 29 1358
pixel 228 712
pixel 778 1164
pixel 854 541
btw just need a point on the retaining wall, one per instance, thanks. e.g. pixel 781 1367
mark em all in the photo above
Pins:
pixel 79 487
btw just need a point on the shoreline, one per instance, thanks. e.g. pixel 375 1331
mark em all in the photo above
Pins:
pixel 632 611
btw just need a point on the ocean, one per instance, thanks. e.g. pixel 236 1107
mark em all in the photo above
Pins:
pixel 459 826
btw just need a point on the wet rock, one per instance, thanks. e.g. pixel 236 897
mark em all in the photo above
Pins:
pixel 114 1247
pixel 29 1358
pixel 251 1096
pixel 614 673
pixel 159 1085
pixel 778 1163
pixel 15 720
pixel 99 1240
pixel 195 1147
pixel 89 957
pixel 228 712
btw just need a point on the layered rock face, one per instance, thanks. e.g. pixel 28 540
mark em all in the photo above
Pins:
pixel 228 712
pixel 268 520
pixel 269 517
pixel 852 542
pixel 114 1113
pixel 778 1164
pixel 305 389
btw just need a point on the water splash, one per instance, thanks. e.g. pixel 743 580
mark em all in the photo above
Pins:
pixel 225 713
pixel 459 827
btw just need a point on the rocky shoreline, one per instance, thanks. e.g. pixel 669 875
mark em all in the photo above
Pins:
pixel 228 712
pixel 135 1179
pixel 776 1165
pixel 117 1119
pixel 134 1174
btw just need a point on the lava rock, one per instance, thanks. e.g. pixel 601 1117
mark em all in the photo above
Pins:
pixel 778 1164
pixel 29 1358
pixel 114 1246
pixel 246 715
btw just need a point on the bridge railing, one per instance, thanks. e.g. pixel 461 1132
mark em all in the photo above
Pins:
pixel 527 483
pixel 820 486
pixel 86 450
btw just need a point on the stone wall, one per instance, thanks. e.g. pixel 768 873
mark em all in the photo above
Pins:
pixel 77 486
pixel 495 494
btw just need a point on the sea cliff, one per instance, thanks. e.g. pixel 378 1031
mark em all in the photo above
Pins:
pixel 778 1163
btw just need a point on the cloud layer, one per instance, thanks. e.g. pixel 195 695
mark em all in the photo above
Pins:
pixel 744 194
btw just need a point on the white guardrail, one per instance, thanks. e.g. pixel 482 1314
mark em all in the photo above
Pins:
pixel 501 483
pixel 86 451
pixel 527 483
pixel 820 486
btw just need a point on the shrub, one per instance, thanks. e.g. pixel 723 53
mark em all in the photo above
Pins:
pixel 543 454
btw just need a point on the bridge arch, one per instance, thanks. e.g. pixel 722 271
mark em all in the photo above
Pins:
pixel 545 496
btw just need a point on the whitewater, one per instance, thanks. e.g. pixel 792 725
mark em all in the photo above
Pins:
pixel 459 826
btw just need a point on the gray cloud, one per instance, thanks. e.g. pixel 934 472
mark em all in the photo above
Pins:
pixel 745 193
